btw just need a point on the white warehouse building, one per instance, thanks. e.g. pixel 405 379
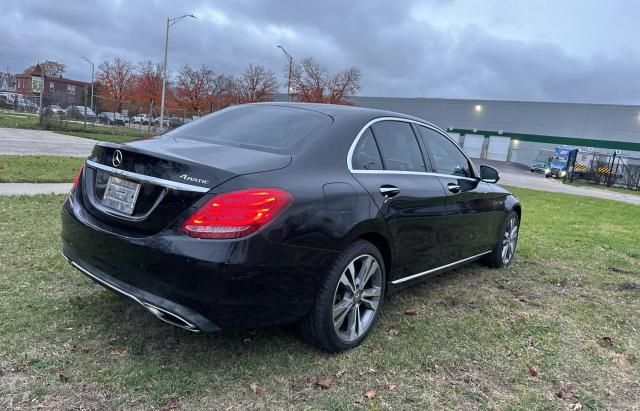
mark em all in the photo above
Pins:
pixel 516 131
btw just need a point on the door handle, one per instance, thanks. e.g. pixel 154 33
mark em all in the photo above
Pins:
pixel 454 188
pixel 389 191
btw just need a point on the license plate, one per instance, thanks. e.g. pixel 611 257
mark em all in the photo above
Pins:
pixel 121 194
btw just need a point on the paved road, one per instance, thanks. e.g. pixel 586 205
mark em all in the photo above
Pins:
pixel 10 189
pixel 518 175
pixel 40 142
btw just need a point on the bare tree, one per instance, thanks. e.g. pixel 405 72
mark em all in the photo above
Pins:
pixel 256 84
pixel 49 68
pixel 115 80
pixel 311 82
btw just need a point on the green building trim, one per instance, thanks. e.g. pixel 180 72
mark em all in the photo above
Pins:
pixel 569 141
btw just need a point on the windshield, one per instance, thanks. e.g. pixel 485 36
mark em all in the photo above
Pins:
pixel 559 160
pixel 262 127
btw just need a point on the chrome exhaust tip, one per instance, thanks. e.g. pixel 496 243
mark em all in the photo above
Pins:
pixel 169 317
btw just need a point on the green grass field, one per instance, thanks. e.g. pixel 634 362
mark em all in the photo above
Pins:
pixel 66 343
pixel 623 190
pixel 39 169
pixel 11 119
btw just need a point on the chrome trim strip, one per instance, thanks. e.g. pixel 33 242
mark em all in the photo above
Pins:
pixel 406 120
pixel 420 173
pixel 174 185
pixel 189 327
pixel 433 270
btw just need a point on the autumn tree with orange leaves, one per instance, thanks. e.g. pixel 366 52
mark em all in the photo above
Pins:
pixel 192 87
pixel 115 80
pixel 311 82
pixel 147 84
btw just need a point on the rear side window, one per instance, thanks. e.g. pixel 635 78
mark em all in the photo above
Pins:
pixel 445 156
pixel 261 127
pixel 398 145
pixel 366 155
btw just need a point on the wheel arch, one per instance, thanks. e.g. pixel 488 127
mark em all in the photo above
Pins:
pixel 383 245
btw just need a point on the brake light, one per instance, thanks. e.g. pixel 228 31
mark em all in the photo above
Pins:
pixel 237 214
pixel 75 182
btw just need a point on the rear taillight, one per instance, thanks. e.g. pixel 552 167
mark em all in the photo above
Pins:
pixel 75 181
pixel 237 214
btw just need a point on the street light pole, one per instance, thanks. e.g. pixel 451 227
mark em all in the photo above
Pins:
pixel 92 71
pixel 170 22
pixel 290 67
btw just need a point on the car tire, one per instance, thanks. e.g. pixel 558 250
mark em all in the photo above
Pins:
pixel 505 248
pixel 345 310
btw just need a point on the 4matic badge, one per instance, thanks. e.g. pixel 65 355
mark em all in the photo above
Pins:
pixel 194 179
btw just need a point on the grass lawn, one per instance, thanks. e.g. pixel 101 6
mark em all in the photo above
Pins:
pixel 478 336
pixel 39 169
pixel 577 183
pixel 10 119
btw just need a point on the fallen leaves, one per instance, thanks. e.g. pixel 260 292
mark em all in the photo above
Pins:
pixel 533 371
pixel 411 311
pixel 258 389
pixel 607 340
pixel 173 404
pixel 522 298
pixel 324 383
pixel 566 392
pixel 370 394
pixel 63 376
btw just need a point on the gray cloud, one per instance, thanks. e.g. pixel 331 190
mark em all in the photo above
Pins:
pixel 399 51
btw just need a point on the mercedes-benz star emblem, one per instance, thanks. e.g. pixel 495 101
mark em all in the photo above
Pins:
pixel 117 158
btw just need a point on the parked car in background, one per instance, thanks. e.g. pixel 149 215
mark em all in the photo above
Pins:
pixel 110 118
pixel 140 119
pixel 270 213
pixel 541 164
pixel 79 113
pixel 55 110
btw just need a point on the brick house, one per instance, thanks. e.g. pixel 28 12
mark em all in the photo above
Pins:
pixel 57 90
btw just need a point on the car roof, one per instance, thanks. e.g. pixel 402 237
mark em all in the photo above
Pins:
pixel 337 110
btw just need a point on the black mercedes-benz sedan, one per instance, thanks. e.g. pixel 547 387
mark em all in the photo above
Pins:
pixel 275 213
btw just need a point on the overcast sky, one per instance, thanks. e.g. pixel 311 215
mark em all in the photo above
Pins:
pixel 543 50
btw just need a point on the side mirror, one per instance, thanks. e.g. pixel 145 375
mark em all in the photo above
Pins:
pixel 489 174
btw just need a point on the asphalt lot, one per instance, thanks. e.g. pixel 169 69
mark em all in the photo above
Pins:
pixel 15 141
pixel 518 175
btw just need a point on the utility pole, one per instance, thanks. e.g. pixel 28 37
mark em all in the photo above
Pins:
pixel 92 69
pixel 290 59
pixel 170 22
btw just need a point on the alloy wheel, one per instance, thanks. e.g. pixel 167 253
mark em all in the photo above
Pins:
pixel 356 298
pixel 510 240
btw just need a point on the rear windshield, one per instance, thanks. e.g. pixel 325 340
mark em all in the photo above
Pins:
pixel 261 127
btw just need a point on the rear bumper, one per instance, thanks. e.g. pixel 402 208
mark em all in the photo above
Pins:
pixel 167 311
pixel 197 284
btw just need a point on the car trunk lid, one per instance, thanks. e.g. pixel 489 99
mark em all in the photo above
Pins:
pixel 161 178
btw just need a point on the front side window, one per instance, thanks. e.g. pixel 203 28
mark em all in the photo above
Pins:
pixel 398 145
pixel 366 155
pixel 445 156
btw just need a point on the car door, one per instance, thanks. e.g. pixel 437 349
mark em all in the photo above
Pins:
pixel 389 163
pixel 472 205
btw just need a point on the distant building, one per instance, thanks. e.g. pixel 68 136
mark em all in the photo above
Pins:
pixel 57 90
pixel 517 130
